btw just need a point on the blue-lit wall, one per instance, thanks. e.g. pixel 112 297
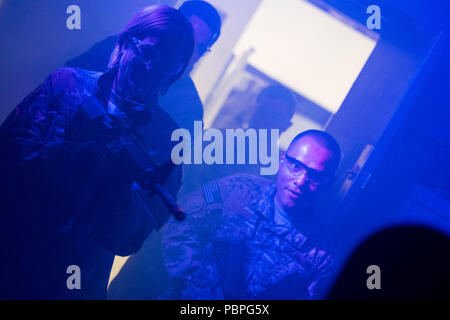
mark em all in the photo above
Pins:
pixel 399 105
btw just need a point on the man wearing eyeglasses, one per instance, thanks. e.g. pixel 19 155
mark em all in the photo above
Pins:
pixel 246 237
pixel 70 198
pixel 306 169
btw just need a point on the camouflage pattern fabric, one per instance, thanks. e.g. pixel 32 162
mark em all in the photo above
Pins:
pixel 229 247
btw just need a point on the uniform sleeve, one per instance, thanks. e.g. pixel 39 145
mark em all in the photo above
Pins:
pixel 29 145
pixel 323 278
pixel 127 229
pixel 25 134
pixel 186 254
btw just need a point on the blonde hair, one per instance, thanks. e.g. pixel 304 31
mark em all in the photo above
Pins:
pixel 159 20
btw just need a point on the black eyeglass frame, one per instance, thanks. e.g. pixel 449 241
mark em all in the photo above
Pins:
pixel 312 175
pixel 158 57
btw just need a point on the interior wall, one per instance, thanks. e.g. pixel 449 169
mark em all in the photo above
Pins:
pixel 382 92
pixel 306 49
pixel 415 157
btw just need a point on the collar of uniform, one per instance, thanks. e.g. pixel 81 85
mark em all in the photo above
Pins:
pixel 265 208
pixel 105 83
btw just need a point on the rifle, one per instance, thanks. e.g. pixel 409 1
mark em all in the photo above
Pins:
pixel 121 133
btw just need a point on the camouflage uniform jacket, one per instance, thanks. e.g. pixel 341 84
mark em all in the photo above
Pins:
pixel 55 212
pixel 230 247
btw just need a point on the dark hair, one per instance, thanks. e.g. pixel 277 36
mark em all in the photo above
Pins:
pixel 324 139
pixel 163 21
pixel 206 12
pixel 281 93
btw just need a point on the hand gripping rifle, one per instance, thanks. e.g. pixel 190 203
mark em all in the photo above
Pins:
pixel 121 133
